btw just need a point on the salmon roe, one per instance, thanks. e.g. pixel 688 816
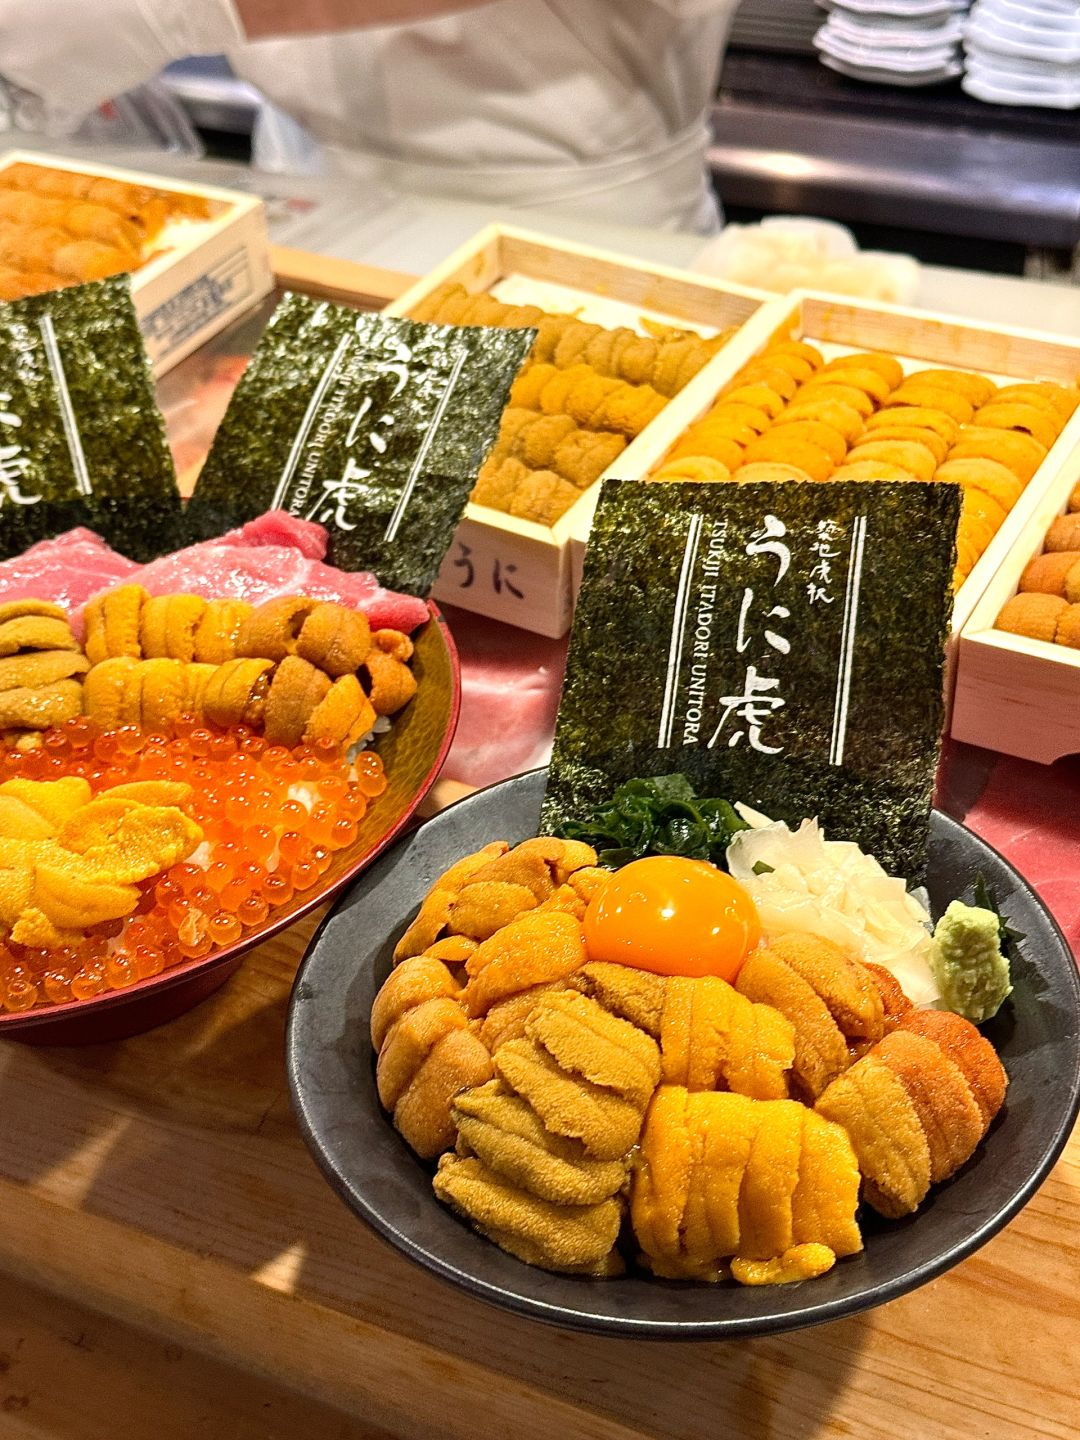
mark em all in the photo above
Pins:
pixel 271 818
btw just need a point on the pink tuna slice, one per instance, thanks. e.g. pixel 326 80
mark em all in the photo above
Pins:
pixel 262 572
pixel 249 564
pixel 67 569
pixel 276 554
pixel 278 527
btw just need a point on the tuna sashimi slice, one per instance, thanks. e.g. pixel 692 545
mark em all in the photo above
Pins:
pixel 228 572
pixel 67 569
pixel 278 527
pixel 276 554
pixel 261 572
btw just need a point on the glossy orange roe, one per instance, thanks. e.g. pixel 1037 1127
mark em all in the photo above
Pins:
pixel 264 844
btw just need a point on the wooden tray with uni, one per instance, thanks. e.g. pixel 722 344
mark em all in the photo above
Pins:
pixel 514 568
pixel 910 342
pixel 1016 693
pixel 198 254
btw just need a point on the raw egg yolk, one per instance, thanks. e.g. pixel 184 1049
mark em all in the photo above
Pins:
pixel 674 917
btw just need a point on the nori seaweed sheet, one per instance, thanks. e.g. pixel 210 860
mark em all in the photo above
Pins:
pixel 75 379
pixel 343 416
pixel 707 642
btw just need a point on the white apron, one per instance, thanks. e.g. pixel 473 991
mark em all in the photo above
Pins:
pixel 662 187
pixel 589 106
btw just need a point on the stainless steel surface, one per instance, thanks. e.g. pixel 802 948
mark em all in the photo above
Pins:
pixel 932 177
pixel 214 98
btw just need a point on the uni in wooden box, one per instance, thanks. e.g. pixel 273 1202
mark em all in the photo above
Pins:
pixel 1013 693
pixel 209 263
pixel 919 341
pixel 505 565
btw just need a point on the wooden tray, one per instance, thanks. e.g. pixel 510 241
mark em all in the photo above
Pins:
pixel 516 570
pixel 1013 694
pixel 192 289
pixel 1003 353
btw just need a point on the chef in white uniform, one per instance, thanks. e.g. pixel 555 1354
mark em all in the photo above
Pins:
pixel 594 107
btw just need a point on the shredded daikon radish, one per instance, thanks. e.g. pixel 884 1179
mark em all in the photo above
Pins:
pixel 831 888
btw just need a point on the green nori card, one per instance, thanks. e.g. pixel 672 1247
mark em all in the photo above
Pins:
pixel 781 644
pixel 374 426
pixel 82 441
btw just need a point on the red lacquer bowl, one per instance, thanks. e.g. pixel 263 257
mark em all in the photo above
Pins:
pixel 413 751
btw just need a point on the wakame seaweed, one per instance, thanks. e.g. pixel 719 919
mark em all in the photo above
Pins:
pixel 779 644
pixel 82 441
pixel 660 816
pixel 372 425
pixel 985 899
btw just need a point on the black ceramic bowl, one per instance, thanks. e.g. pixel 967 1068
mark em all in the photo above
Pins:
pixel 332 1075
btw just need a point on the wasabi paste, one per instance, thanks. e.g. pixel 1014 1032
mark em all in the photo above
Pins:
pixel 968 963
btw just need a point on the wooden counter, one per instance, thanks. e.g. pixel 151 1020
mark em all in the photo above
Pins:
pixel 162 1181
pixel 205 1284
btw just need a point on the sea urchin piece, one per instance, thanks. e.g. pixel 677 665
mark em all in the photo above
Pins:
pixel 228 690
pixel 391 683
pixel 72 902
pixel 951 1120
pixel 801 1262
pixel 872 1105
pixel 167 626
pixel 508 1136
pixel 969 1051
pixel 422 1115
pixel 605 1123
pixel 578 1239
pixel 506 1019
pixel 409 1042
pixel 412 983
pixel 103 690
pixel 821 1052
pixel 35 632
pixel 296 688
pixel 14 609
pixel 433 917
pixel 334 638
pixel 218 631
pixel 112 623
pixel 589 1041
pixel 40 667
pixel 272 629
pixel 531 950
pixel 164 693
pixel 343 716
pixel 42 707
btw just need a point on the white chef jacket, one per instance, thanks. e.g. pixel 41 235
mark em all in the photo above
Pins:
pixel 593 106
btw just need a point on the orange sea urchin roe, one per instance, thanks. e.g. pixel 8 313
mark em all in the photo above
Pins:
pixel 248 796
pixel 674 917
